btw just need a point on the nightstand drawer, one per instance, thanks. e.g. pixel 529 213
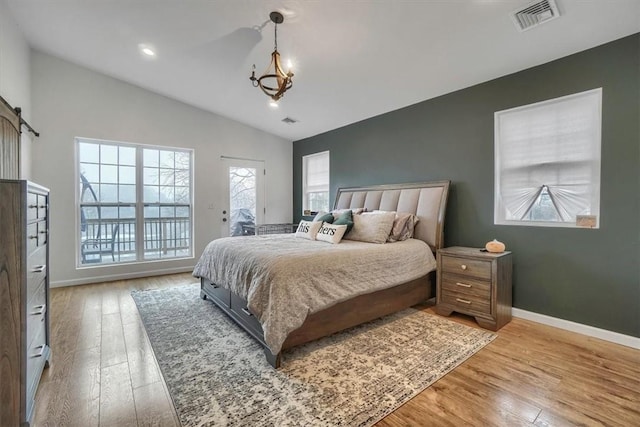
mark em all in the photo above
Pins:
pixel 466 285
pixel 467 267
pixel 466 303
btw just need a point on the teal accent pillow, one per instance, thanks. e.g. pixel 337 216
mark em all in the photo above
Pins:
pixel 345 218
pixel 327 217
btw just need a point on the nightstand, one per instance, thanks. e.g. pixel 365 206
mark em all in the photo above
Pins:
pixel 475 283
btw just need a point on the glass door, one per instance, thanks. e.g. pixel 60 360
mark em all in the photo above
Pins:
pixel 244 197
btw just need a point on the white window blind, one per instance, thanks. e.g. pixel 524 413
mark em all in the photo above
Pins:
pixel 547 161
pixel 315 171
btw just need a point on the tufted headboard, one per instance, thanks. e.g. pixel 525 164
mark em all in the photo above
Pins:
pixel 427 200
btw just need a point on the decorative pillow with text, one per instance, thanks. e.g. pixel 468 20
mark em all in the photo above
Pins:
pixel 331 233
pixel 308 229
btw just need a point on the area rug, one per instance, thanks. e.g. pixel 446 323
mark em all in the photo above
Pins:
pixel 218 376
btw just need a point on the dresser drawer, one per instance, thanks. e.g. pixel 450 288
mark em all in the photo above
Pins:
pixel 36 313
pixel 239 306
pixel 42 206
pixel 32 238
pixel 466 285
pixel 36 270
pixel 464 303
pixel 221 294
pixel 43 233
pixel 466 267
pixel 37 354
pixel 32 206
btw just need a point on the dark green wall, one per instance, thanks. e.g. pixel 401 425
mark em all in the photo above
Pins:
pixel 587 276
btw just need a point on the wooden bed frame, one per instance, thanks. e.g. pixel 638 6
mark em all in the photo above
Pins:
pixel 427 200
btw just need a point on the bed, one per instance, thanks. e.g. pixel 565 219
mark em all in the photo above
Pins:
pixel 286 291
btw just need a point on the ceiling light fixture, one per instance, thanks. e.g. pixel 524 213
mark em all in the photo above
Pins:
pixel 274 82
pixel 147 51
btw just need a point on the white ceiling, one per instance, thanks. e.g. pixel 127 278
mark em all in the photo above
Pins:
pixel 352 59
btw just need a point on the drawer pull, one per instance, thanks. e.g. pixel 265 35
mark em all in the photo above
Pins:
pixel 246 311
pixel 40 353
pixel 39 309
pixel 464 285
pixel 42 206
pixel 44 231
pixel 464 301
pixel 33 206
pixel 214 286
pixel 464 267
pixel 33 236
pixel 38 269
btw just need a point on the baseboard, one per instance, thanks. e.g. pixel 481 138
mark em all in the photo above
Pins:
pixel 121 276
pixel 603 334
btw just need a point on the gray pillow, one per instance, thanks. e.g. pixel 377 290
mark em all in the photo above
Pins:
pixel 403 227
pixel 372 227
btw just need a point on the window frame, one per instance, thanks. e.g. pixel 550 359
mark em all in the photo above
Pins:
pixel 325 188
pixel 139 204
pixel 595 179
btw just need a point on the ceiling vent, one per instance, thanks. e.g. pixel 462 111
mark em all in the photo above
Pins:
pixel 289 120
pixel 534 14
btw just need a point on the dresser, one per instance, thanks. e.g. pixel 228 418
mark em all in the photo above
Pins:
pixel 24 297
pixel 475 283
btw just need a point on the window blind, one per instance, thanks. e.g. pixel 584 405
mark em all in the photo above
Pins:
pixel 317 172
pixel 316 181
pixel 553 148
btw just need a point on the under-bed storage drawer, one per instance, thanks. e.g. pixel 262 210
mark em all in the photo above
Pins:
pixel 239 307
pixel 220 294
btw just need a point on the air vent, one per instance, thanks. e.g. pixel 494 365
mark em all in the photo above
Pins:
pixel 289 120
pixel 535 14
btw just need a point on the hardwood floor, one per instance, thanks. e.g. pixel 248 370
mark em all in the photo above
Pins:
pixel 103 372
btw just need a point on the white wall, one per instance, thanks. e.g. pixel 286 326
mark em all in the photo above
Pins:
pixel 15 80
pixel 71 101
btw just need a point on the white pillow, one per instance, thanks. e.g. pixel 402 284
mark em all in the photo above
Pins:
pixel 372 227
pixel 308 229
pixel 331 233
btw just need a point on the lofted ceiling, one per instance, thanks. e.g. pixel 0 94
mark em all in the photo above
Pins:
pixel 352 59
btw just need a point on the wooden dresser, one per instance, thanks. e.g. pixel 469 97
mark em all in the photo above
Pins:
pixel 475 283
pixel 24 297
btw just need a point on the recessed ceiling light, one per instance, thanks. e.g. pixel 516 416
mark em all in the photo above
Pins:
pixel 147 50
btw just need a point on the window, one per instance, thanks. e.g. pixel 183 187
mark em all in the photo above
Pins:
pixel 547 162
pixel 315 182
pixel 134 202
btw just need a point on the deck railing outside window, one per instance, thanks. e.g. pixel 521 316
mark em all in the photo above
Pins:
pixel 115 240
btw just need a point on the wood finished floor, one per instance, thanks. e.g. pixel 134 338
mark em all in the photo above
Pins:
pixel 103 372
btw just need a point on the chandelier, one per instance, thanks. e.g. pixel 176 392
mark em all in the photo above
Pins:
pixel 274 82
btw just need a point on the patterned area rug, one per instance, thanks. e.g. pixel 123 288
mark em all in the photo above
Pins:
pixel 217 374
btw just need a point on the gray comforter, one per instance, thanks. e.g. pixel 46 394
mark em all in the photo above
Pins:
pixel 285 278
